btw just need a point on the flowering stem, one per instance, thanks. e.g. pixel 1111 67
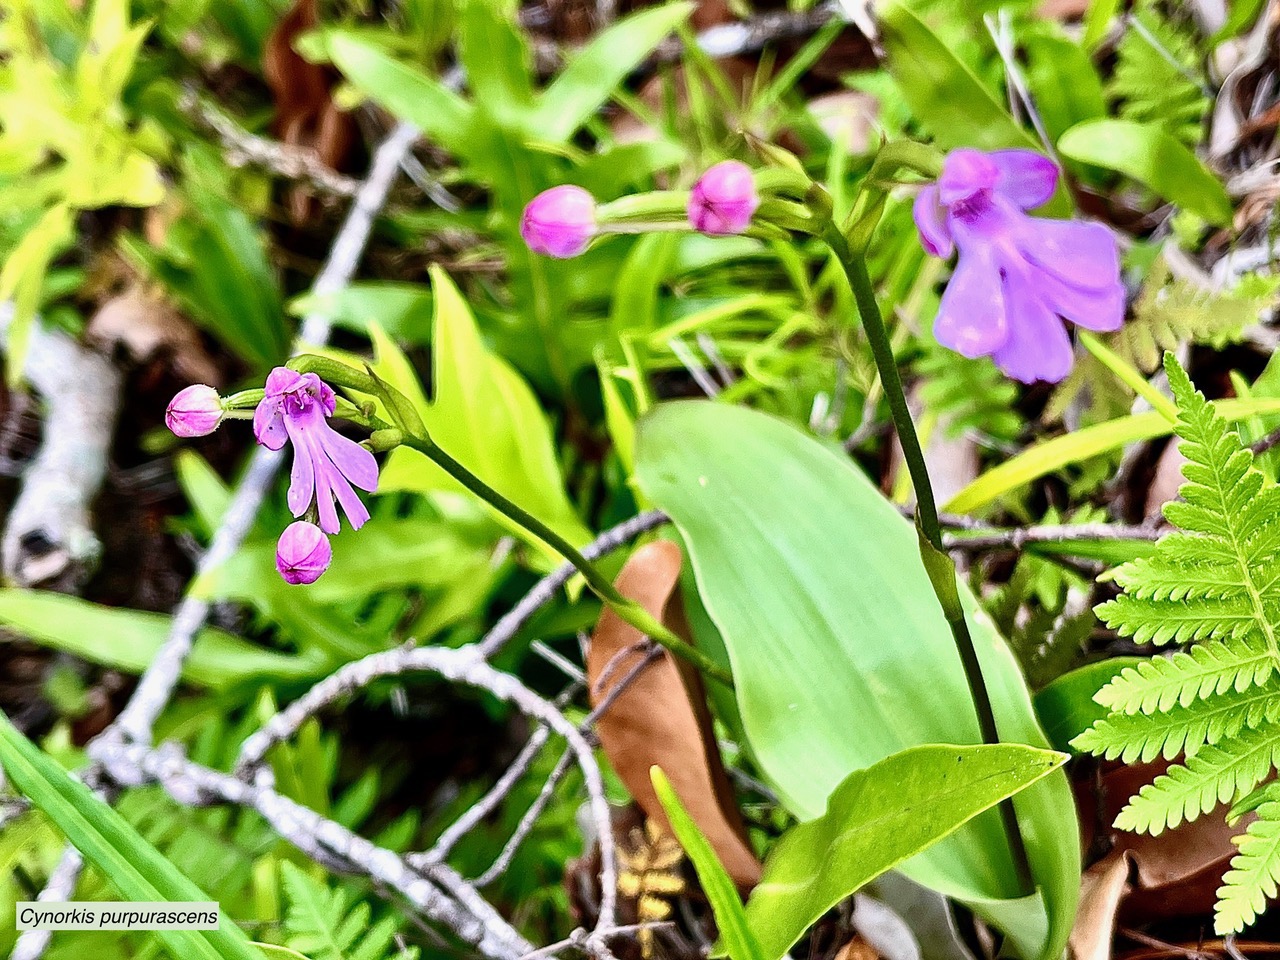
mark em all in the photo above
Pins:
pixel 628 610
pixel 937 562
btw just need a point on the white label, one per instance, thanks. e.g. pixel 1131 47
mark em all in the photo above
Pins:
pixel 110 915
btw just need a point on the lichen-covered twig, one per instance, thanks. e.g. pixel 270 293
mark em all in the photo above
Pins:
pixel 48 536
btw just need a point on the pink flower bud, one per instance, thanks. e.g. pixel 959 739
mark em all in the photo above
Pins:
pixel 723 200
pixel 194 412
pixel 303 553
pixel 559 222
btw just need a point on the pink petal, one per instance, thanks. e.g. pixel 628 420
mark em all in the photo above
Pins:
pixel 1038 347
pixel 971 317
pixel 353 461
pixel 281 380
pixel 302 479
pixel 964 173
pixel 329 522
pixel 1082 254
pixel 1026 177
pixel 268 424
pixel 931 223
pixel 1094 309
pixel 357 513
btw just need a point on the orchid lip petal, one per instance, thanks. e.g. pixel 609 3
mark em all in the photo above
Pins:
pixel 972 317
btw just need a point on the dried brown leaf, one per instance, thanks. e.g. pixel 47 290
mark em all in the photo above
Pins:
pixel 146 326
pixel 660 719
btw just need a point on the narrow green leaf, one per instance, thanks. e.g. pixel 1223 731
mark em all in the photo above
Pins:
pixel 130 864
pixel 877 818
pixel 590 79
pixel 128 640
pixel 731 918
pixel 950 101
pixel 1152 156
pixel 407 92
pixel 1081 445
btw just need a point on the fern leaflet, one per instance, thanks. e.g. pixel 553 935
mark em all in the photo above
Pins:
pixel 1214 586
pixel 1255 871
pixel 325 924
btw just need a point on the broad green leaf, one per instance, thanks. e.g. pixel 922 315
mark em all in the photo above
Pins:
pixel 128 640
pixel 1066 706
pixel 840 653
pixel 1151 156
pixel 22 278
pixel 731 918
pixel 877 818
pixel 595 72
pixel 944 94
pixel 131 865
pixel 1081 445
pixel 407 92
pixel 484 415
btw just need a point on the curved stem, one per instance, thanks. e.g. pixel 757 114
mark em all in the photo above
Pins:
pixel 628 610
pixel 937 562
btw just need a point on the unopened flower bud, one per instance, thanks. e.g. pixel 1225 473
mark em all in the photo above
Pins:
pixel 195 412
pixel 559 222
pixel 723 200
pixel 303 553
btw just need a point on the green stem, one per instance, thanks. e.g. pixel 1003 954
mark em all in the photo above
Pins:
pixel 628 610
pixel 938 563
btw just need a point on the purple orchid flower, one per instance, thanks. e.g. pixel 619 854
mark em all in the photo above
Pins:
pixel 1018 277
pixel 326 464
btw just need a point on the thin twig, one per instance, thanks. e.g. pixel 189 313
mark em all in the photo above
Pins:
pixel 1018 538
pixel 531 816
pixel 509 625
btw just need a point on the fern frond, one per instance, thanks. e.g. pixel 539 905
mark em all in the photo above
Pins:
pixel 1218 774
pixel 1216 585
pixel 1182 729
pixel 1153 79
pixel 1255 870
pixel 967 394
pixel 1226 516
pixel 324 924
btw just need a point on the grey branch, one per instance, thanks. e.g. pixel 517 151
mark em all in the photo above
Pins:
pixel 465 666
pixel 242 148
pixel 1018 538
pixel 48 536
